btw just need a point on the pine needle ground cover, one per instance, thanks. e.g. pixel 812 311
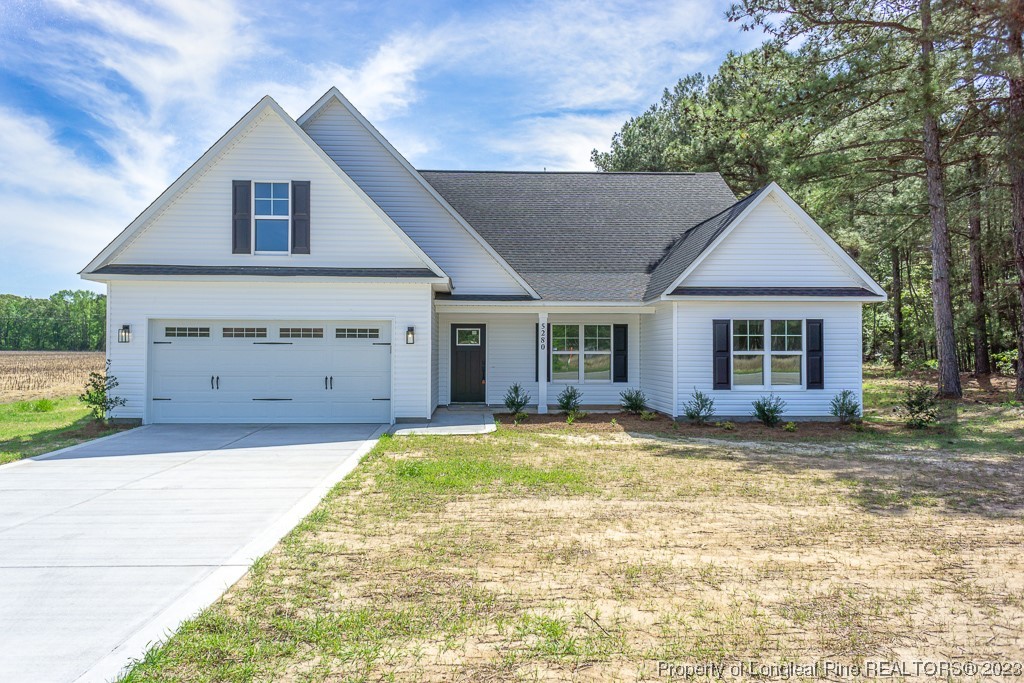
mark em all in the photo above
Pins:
pixel 526 555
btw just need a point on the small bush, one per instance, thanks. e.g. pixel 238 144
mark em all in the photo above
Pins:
pixel 700 408
pixel 614 422
pixel 919 407
pixel 633 401
pixel 648 415
pixel 520 417
pixel 727 426
pixel 845 407
pixel 516 399
pixel 569 400
pixel 574 415
pixel 789 427
pixel 769 409
pixel 97 395
pixel 1005 362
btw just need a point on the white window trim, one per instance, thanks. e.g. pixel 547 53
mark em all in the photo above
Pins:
pixel 252 209
pixel 766 354
pixel 580 377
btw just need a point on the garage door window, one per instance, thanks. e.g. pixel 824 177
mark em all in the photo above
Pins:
pixel 186 331
pixel 302 333
pixel 356 333
pixel 245 333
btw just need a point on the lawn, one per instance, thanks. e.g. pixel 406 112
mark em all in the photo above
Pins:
pixel 584 552
pixel 29 428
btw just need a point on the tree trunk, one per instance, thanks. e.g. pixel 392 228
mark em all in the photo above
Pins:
pixel 942 304
pixel 982 362
pixel 1015 159
pixel 897 310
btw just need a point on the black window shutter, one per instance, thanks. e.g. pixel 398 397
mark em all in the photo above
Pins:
pixel 241 217
pixel 300 216
pixel 536 350
pixel 620 353
pixel 815 354
pixel 720 354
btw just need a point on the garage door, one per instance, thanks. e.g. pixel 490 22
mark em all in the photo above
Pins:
pixel 260 371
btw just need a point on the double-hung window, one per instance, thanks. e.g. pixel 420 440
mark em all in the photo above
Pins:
pixel 777 363
pixel 589 362
pixel 271 217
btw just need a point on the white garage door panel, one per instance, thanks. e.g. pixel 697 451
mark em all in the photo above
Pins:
pixel 271 378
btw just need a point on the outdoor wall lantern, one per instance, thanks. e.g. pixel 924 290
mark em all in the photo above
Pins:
pixel 410 335
pixel 124 335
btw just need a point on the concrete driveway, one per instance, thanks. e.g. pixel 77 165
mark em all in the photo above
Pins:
pixel 107 546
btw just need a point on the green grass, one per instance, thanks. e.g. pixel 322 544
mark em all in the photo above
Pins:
pixel 30 428
pixel 542 555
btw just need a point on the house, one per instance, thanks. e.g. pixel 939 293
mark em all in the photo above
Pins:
pixel 304 271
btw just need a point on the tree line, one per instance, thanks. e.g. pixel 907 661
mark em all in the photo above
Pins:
pixel 898 125
pixel 65 321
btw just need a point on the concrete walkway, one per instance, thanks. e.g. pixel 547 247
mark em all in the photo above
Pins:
pixel 108 546
pixel 447 422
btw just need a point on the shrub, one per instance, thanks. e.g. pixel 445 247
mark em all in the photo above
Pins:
pixel 845 407
pixel 97 395
pixel 520 417
pixel 569 400
pixel 768 410
pixel 633 401
pixel 789 427
pixel 919 407
pixel 516 398
pixel 700 408
pixel 648 415
pixel 1005 362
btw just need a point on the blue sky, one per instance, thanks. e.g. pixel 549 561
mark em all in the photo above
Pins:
pixel 104 103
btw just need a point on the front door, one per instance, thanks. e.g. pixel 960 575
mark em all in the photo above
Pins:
pixel 468 360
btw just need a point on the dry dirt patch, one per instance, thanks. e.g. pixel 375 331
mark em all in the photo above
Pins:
pixel 27 375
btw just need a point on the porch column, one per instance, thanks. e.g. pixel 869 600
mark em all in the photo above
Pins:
pixel 542 363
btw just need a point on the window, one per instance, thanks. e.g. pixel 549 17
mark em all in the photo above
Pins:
pixel 302 333
pixel 778 365
pixel 244 332
pixel 467 336
pixel 787 348
pixel 356 333
pixel 271 216
pixel 748 365
pixel 186 331
pixel 596 353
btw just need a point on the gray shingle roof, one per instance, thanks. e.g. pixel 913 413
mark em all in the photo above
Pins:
pixel 275 271
pixel 692 244
pixel 583 236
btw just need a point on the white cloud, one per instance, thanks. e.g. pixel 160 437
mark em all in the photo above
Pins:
pixel 557 143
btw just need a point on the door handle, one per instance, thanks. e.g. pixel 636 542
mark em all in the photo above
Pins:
pixel 211 381
pixel 218 382
pixel 325 382
pixel 332 382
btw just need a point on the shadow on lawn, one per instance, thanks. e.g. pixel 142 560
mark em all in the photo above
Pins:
pixel 890 484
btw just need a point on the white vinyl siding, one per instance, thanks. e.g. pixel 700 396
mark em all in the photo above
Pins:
pixel 770 248
pixel 195 229
pixel 511 355
pixel 402 305
pixel 656 357
pixel 472 269
pixel 842 349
